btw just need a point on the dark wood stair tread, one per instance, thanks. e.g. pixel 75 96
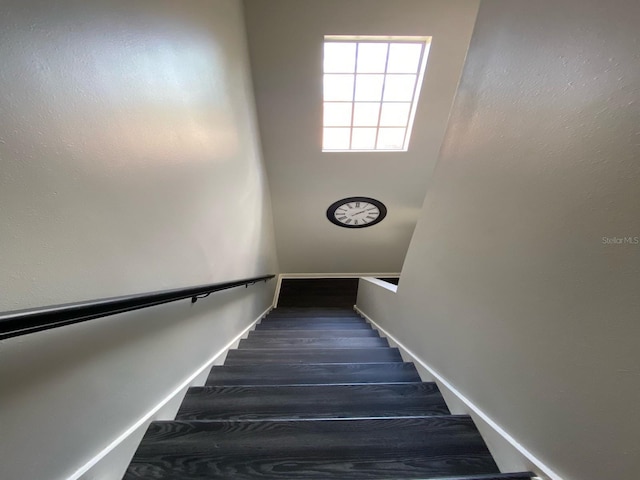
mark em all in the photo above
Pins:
pixel 326 401
pixel 313 374
pixel 313 312
pixel 316 325
pixel 426 447
pixel 302 333
pixel 353 318
pixel 314 320
pixel 299 342
pixel 313 355
pixel 491 476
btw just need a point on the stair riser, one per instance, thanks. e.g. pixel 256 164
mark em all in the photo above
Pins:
pixel 313 321
pixel 336 355
pixel 254 343
pixel 302 312
pixel 313 326
pixel 311 374
pixel 282 333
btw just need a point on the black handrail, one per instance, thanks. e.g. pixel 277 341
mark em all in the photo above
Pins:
pixel 23 322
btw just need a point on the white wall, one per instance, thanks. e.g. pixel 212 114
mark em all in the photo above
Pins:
pixel 129 162
pixel 508 290
pixel 285 42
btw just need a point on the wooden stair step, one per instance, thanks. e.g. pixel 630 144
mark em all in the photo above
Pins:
pixel 391 448
pixel 301 342
pixel 312 401
pixel 312 320
pixel 492 476
pixel 282 333
pixel 313 374
pixel 313 355
pixel 322 312
pixel 315 325
pixel 277 318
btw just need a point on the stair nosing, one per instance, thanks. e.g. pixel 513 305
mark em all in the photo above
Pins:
pixel 325 419
pixel 318 330
pixel 306 384
pixel 332 363
pixel 314 385
pixel 319 364
pixel 322 348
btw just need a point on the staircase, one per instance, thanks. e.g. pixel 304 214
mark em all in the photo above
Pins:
pixel 315 393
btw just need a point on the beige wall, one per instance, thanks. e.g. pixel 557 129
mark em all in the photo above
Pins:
pixel 129 162
pixel 508 289
pixel 285 40
pixel 130 154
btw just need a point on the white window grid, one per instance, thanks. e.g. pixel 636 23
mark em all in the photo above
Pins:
pixel 405 128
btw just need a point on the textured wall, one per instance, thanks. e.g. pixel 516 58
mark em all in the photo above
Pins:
pixel 129 157
pixel 129 162
pixel 509 289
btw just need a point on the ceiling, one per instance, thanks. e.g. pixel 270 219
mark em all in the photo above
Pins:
pixel 285 43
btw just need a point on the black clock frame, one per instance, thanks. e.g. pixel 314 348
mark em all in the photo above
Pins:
pixel 335 205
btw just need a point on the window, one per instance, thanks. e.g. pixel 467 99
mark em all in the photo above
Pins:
pixel 371 87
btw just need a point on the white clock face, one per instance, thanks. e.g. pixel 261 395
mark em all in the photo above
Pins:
pixel 356 213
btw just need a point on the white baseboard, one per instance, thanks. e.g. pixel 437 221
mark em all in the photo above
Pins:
pixel 509 454
pixel 139 427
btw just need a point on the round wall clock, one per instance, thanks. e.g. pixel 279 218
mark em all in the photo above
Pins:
pixel 356 212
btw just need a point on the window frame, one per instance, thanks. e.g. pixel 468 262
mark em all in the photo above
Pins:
pixel 424 41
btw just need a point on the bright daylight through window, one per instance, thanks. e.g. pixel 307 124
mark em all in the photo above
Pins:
pixel 371 87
